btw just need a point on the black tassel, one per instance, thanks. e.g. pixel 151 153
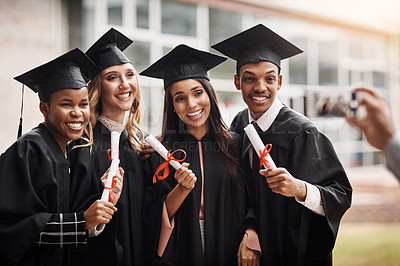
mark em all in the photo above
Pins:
pixel 22 110
pixel 19 128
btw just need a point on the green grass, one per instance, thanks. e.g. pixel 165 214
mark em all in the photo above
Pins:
pixel 367 245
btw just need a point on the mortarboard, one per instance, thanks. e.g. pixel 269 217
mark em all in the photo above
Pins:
pixel 63 72
pixel 107 51
pixel 183 62
pixel 257 44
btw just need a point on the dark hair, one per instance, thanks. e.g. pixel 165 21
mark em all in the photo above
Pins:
pixel 238 68
pixel 173 127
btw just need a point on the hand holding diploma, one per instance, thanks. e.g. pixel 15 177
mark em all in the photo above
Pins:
pixel 114 157
pixel 118 180
pixel 279 179
pixel 258 145
pixel 168 157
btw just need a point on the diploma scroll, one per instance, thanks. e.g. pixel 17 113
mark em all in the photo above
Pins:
pixel 259 146
pixel 161 150
pixel 114 156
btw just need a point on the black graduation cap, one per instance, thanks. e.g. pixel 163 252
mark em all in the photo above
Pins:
pixel 183 62
pixel 107 51
pixel 257 44
pixel 64 72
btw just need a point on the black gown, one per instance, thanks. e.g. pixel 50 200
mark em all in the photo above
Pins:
pixel 35 200
pixel 121 242
pixel 289 233
pixel 224 211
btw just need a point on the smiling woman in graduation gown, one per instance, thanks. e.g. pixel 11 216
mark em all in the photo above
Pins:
pixel 122 239
pixel 38 225
pixel 224 210
pixel 218 198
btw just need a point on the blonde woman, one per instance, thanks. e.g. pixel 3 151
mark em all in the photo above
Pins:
pixel 115 102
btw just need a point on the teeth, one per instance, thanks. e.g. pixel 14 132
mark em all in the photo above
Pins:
pixel 77 125
pixel 195 113
pixel 123 96
pixel 259 98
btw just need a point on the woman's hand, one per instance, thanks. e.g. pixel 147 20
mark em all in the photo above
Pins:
pixel 185 177
pixel 118 186
pixel 246 256
pixel 100 212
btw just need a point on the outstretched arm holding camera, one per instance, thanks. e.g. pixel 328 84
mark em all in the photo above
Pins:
pixel 378 127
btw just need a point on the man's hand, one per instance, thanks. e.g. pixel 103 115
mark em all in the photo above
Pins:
pixel 281 181
pixel 147 150
pixel 377 125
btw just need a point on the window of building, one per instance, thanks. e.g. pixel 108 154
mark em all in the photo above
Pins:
pixel 139 54
pixel 328 62
pixel 142 14
pixel 178 18
pixel 230 103
pixel 218 32
pixel 115 12
pixel 298 64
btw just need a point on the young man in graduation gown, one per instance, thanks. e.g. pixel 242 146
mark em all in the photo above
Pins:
pixel 300 203
pixel 37 224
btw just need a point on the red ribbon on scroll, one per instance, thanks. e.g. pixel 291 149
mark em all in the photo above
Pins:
pixel 263 155
pixel 164 166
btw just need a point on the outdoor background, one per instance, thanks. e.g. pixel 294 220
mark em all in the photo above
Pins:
pixel 344 42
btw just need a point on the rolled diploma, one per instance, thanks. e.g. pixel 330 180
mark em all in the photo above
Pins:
pixel 114 164
pixel 161 150
pixel 257 143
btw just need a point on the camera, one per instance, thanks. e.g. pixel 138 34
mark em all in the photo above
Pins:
pixel 326 103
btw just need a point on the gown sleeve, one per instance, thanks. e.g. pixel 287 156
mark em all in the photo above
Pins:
pixel 158 232
pixel 392 155
pixel 315 161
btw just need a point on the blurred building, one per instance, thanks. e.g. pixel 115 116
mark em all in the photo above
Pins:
pixel 339 50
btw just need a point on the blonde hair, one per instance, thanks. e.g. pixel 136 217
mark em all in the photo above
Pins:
pixel 134 117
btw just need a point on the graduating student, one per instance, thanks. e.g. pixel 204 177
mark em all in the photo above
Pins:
pixel 38 226
pixel 115 102
pixel 195 216
pixel 300 203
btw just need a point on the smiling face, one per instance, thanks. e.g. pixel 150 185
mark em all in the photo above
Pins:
pixel 259 83
pixel 192 105
pixel 66 114
pixel 119 87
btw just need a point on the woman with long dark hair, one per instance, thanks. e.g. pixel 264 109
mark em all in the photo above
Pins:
pixel 195 216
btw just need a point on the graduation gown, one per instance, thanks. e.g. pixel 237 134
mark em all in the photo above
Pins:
pixel 224 211
pixel 35 189
pixel 289 233
pixel 121 241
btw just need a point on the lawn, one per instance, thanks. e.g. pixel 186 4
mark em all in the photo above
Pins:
pixel 367 244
